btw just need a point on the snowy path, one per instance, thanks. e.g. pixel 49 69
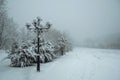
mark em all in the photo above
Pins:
pixel 80 64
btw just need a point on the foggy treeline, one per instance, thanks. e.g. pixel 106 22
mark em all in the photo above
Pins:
pixel 7 27
pixel 108 42
pixel 10 32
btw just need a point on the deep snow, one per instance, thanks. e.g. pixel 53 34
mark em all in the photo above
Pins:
pixel 79 64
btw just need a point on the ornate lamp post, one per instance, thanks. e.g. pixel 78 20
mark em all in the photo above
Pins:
pixel 38 29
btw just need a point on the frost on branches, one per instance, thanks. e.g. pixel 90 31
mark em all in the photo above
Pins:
pixel 21 56
pixel 24 54
pixel 52 44
pixel 46 51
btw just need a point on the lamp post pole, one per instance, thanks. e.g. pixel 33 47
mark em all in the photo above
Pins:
pixel 38 58
pixel 38 51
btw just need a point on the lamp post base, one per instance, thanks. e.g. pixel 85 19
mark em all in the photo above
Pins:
pixel 38 63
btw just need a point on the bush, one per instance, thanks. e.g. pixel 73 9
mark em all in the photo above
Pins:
pixel 21 56
pixel 46 51
pixel 26 54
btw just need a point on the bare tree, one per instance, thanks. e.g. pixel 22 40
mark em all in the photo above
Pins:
pixel 2 18
pixel 8 31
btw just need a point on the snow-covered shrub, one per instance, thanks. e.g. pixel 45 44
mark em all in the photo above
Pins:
pixel 26 53
pixel 60 40
pixel 65 42
pixel 46 51
pixel 61 44
pixel 21 56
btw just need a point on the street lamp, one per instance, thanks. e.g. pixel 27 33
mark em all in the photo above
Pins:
pixel 38 29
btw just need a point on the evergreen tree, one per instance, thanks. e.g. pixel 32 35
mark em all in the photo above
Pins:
pixel 22 56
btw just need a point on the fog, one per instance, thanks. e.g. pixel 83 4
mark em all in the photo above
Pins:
pixel 86 21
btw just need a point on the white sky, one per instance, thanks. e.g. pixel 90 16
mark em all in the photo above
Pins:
pixel 80 18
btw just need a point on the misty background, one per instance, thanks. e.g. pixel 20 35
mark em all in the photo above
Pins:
pixel 89 23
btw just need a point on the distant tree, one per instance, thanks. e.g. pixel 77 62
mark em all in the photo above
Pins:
pixel 8 32
pixel 3 17
pixel 61 40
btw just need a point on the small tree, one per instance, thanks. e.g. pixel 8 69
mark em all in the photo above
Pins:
pixel 59 40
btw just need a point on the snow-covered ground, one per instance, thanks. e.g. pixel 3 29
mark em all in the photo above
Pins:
pixel 80 64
